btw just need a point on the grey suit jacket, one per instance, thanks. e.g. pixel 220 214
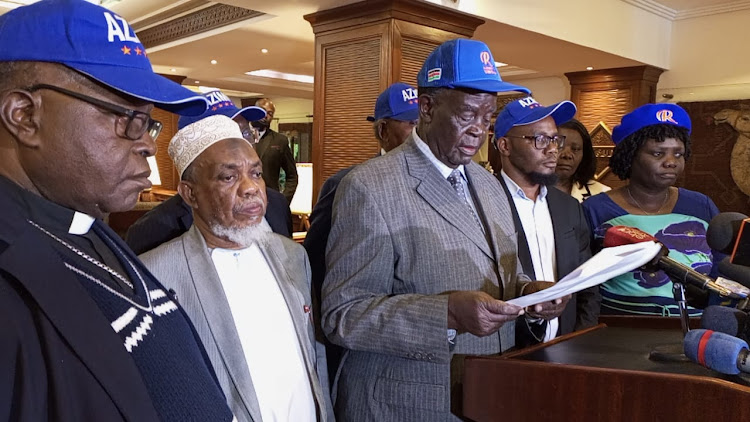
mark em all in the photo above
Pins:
pixel 184 264
pixel 401 240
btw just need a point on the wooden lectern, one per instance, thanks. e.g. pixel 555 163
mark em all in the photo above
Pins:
pixel 602 374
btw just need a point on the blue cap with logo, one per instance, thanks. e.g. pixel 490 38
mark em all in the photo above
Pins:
pixel 398 102
pixel 648 115
pixel 463 63
pixel 526 111
pixel 219 103
pixel 96 42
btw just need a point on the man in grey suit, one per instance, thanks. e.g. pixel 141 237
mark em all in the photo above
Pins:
pixel 422 254
pixel 553 236
pixel 246 289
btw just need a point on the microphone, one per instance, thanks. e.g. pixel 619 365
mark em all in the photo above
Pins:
pixel 718 351
pixel 722 231
pixel 729 233
pixel 726 320
pixel 623 235
pixel 738 273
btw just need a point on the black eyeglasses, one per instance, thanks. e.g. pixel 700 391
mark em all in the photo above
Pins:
pixel 542 141
pixel 130 124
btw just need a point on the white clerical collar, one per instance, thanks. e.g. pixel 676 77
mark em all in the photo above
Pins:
pixel 422 146
pixel 81 223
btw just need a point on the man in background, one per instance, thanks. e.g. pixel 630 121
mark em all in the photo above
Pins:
pixel 246 289
pixel 273 149
pixel 174 217
pixel 86 332
pixel 394 118
pixel 553 236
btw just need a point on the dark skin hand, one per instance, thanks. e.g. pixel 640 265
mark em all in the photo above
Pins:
pixel 546 310
pixel 479 313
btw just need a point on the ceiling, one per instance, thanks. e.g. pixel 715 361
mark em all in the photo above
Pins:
pixel 289 40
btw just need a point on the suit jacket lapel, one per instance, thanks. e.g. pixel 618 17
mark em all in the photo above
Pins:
pixel 563 252
pixel 439 194
pixel 219 317
pixel 57 290
pixel 524 255
pixel 295 301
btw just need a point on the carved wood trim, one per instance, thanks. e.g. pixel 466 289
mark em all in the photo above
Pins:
pixel 203 20
pixel 414 11
pixel 191 5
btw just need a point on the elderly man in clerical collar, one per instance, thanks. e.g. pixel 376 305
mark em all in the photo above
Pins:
pixel 229 267
pixel 87 332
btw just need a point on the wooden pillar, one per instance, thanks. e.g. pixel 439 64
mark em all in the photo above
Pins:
pixel 608 94
pixel 361 49
pixel 603 97
pixel 167 172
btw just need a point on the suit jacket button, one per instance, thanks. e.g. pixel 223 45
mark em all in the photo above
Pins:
pixel 417 356
pixel 430 356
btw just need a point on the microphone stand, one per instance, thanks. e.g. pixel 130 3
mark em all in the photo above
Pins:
pixel 678 290
pixel 675 352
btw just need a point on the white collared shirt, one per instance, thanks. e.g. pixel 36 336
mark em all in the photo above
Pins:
pixel 267 334
pixel 540 236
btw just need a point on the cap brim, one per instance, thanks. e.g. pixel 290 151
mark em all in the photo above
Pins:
pixel 370 119
pixel 407 116
pixel 251 114
pixel 146 85
pixel 560 112
pixel 491 86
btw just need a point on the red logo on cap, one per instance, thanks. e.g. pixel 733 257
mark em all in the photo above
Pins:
pixel 665 116
pixel 489 67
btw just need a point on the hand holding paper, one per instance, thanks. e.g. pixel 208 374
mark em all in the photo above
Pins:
pixel 608 263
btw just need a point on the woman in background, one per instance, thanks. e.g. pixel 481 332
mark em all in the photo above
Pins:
pixel 651 146
pixel 576 163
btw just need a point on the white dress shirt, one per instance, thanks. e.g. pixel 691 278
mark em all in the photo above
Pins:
pixel 266 330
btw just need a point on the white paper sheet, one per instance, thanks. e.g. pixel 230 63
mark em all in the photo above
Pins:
pixel 608 263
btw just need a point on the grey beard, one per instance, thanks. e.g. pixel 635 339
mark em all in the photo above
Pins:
pixel 543 179
pixel 244 236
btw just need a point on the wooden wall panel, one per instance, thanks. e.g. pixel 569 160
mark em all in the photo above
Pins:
pixel 606 106
pixel 347 136
pixel 413 54
pixel 167 171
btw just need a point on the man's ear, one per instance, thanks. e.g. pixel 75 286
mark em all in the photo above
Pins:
pixel 20 115
pixel 185 189
pixel 381 128
pixel 426 107
pixel 503 146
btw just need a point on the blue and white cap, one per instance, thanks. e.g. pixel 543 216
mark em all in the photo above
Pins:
pixel 398 102
pixel 649 115
pixel 526 111
pixel 219 103
pixel 463 63
pixel 95 42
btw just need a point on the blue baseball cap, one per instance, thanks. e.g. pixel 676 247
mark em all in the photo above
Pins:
pixel 526 111
pixel 219 103
pixel 398 102
pixel 96 42
pixel 649 115
pixel 463 63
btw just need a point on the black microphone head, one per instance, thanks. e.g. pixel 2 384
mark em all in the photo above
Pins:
pixel 722 231
pixel 738 273
pixel 724 320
